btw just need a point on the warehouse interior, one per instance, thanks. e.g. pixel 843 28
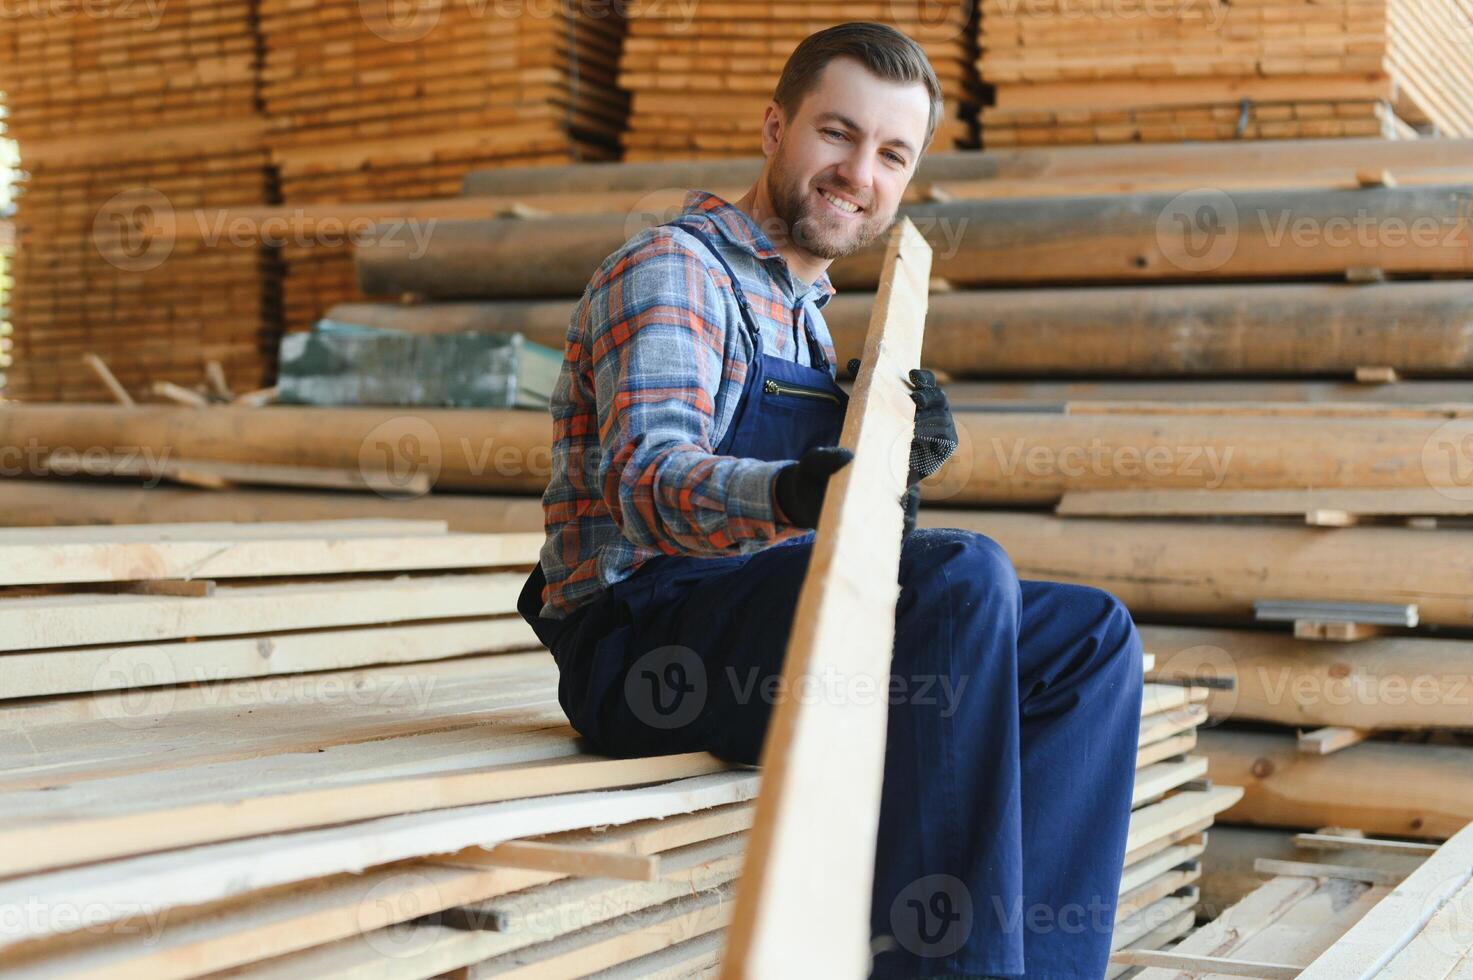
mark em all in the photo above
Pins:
pixel 287 289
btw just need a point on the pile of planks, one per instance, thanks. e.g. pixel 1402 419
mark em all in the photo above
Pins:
pixel 366 104
pixel 700 77
pixel 311 749
pixel 1401 915
pixel 1173 807
pixel 119 117
pixel 1066 73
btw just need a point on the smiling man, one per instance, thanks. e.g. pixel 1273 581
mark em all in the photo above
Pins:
pixel 696 422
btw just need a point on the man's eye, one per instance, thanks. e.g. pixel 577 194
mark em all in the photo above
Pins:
pixel 834 133
pixel 896 159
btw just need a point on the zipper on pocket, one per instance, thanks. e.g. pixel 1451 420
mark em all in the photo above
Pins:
pixel 774 388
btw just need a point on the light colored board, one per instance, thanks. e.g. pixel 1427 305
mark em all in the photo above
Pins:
pixel 1179 811
pixel 67 837
pixel 1153 781
pixel 144 665
pixel 1391 926
pixel 1143 871
pixel 152 884
pixel 1200 966
pixel 75 620
pixel 812 848
pixel 1337 842
pixel 224 557
pixel 216 530
pixel 1323 741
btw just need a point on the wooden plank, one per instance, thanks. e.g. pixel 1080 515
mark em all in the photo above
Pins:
pixel 1304 869
pixel 1204 965
pixel 87 618
pixel 812 849
pixel 1266 503
pixel 1323 741
pixel 223 557
pixel 1338 842
pixel 150 885
pixel 1177 812
pixel 1391 926
pixel 64 837
pixel 136 666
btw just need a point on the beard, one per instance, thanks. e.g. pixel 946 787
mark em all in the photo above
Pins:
pixel 809 224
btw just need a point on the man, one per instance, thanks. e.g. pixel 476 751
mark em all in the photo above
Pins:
pixel 695 423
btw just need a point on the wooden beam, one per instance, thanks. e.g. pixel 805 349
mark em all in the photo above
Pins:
pixel 1204 965
pixel 1340 842
pixel 812 848
pixel 1397 683
pixel 1304 869
pixel 1388 788
pixel 1186 567
pixel 108 379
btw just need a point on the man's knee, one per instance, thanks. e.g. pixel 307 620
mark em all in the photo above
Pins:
pixel 1116 640
pixel 956 563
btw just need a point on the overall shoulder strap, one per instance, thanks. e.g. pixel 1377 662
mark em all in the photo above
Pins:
pixel 736 286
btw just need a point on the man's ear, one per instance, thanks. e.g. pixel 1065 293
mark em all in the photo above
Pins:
pixel 772 128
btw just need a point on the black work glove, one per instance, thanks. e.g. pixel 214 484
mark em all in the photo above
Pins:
pixel 801 485
pixel 934 440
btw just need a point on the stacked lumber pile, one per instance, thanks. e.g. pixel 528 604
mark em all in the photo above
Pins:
pixel 1273 69
pixel 699 78
pixel 367 105
pixel 1405 919
pixel 312 749
pixel 1173 808
pixel 119 118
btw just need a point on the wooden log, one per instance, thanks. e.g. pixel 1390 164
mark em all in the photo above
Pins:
pixel 1181 567
pixel 1109 238
pixel 1248 158
pixel 1055 395
pixel 1265 330
pixel 803 907
pixel 1035 458
pixel 1380 683
pixel 1389 788
pixel 460 449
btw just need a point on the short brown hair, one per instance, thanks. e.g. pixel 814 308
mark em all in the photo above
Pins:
pixel 880 48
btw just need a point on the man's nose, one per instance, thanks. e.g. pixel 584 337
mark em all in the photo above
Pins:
pixel 857 169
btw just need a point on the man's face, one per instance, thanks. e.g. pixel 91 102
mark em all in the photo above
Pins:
pixel 839 167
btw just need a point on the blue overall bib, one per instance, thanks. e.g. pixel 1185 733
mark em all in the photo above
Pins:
pixel 1013 720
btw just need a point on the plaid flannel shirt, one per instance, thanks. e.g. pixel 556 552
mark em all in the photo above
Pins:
pixel 652 373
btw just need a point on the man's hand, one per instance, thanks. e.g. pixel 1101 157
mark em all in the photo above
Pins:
pixel 800 486
pixel 934 440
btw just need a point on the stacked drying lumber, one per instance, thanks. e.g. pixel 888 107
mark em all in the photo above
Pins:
pixel 1320 920
pixel 1272 69
pixel 369 105
pixel 121 117
pixel 700 77
pixel 1173 807
pixel 271 747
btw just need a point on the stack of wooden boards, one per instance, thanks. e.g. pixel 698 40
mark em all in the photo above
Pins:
pixel 313 749
pixel 1173 808
pixel 319 748
pixel 699 75
pixel 367 103
pixel 119 117
pixel 1403 920
pixel 1067 73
